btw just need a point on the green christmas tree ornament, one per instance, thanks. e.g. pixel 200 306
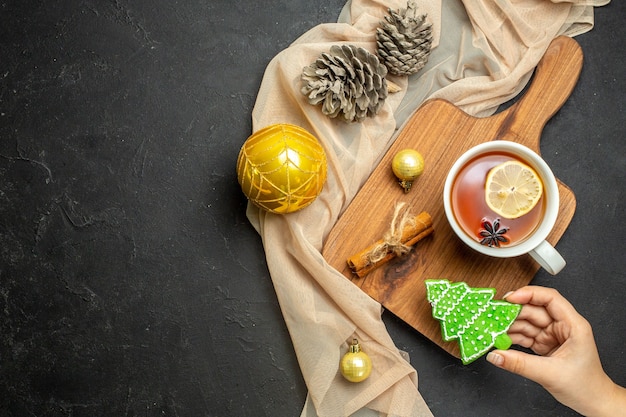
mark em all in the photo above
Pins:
pixel 471 316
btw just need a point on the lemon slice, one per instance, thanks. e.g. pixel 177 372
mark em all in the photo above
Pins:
pixel 512 189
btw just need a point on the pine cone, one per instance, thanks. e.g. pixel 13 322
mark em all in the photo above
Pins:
pixel 404 40
pixel 348 81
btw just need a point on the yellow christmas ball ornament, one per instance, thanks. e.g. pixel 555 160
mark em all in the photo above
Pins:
pixel 407 165
pixel 356 365
pixel 281 168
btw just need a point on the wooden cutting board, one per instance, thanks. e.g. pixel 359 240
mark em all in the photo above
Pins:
pixel 442 132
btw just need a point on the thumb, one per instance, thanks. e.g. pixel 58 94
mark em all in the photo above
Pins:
pixel 529 366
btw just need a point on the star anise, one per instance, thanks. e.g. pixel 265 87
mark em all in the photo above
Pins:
pixel 492 234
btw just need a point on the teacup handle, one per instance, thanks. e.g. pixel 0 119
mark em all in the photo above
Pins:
pixel 548 257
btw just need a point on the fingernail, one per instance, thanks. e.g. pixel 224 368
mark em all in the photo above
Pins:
pixel 495 358
pixel 507 294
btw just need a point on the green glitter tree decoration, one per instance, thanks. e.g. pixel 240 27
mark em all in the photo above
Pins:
pixel 471 316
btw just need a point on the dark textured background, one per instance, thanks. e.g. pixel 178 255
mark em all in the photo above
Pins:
pixel 131 283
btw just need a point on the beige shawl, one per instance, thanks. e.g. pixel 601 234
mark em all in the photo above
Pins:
pixel 483 55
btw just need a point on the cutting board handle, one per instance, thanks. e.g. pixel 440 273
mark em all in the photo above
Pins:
pixel 552 83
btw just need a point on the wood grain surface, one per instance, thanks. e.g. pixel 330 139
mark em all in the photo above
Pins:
pixel 442 132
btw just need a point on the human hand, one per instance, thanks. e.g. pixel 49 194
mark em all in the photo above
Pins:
pixel 568 365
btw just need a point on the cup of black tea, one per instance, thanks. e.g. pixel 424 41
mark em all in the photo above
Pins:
pixel 502 200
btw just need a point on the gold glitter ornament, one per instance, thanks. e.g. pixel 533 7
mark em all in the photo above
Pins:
pixel 355 365
pixel 281 168
pixel 407 165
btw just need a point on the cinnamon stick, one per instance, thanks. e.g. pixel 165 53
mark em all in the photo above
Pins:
pixel 361 263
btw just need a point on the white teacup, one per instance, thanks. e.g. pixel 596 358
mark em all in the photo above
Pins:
pixel 535 244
